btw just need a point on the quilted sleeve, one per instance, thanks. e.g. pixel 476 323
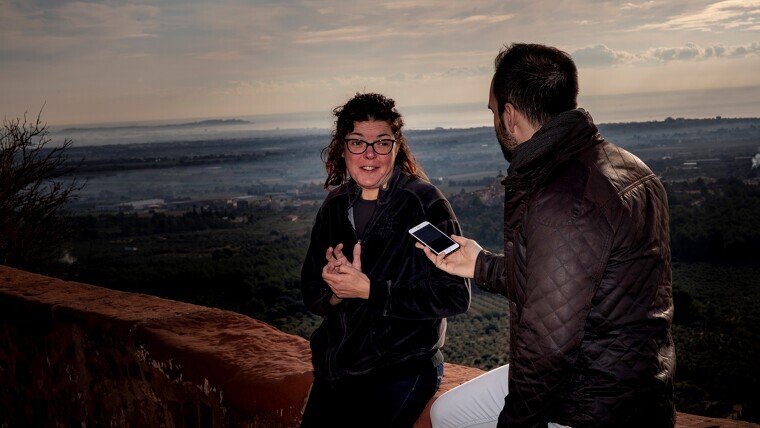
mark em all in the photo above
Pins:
pixel 489 272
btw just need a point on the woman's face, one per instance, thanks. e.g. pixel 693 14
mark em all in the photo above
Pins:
pixel 370 170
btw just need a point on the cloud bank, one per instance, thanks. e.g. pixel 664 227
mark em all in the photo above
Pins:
pixel 91 61
pixel 601 55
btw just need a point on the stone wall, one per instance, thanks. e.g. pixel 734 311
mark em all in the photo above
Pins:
pixel 74 354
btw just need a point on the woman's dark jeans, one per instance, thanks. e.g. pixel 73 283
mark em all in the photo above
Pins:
pixel 376 400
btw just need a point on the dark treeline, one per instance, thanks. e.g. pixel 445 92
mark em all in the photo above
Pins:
pixel 211 258
pixel 716 222
pixel 719 222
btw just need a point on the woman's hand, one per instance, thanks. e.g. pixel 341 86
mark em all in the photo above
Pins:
pixel 345 279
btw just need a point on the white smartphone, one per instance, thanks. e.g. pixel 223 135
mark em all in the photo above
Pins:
pixel 433 238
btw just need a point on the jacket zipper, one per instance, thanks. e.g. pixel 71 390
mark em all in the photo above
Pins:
pixel 333 353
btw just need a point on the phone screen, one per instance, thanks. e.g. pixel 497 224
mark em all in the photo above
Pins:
pixel 434 238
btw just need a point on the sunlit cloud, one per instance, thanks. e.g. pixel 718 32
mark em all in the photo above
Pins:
pixel 401 5
pixel 470 20
pixel 467 71
pixel 438 55
pixel 382 30
pixel 222 56
pixel 345 34
pixel 640 6
pixel 734 15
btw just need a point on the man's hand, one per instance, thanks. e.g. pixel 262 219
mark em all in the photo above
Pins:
pixel 461 262
pixel 345 279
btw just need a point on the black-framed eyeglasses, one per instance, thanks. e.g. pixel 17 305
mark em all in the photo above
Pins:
pixel 381 147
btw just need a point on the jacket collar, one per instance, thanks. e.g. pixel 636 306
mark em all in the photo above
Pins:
pixel 397 180
pixel 566 133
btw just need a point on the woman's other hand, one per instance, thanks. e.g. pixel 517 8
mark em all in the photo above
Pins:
pixel 345 279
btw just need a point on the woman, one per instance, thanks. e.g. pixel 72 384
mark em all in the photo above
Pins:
pixel 376 355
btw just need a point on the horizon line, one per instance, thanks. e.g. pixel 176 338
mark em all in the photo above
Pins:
pixel 406 111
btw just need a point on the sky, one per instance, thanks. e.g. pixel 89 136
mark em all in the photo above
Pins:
pixel 85 62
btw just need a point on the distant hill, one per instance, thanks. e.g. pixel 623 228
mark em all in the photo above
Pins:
pixel 680 122
pixel 202 123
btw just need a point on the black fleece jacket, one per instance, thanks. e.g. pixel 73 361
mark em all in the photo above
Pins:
pixel 403 320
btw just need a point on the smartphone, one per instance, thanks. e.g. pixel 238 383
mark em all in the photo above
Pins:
pixel 433 238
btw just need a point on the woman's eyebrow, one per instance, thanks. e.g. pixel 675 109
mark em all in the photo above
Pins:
pixel 359 134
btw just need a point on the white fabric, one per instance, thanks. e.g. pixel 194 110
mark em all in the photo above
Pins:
pixel 475 403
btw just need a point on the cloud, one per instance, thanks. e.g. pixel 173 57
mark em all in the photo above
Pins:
pixel 602 55
pixel 470 20
pixel 334 35
pixel 378 29
pixel 397 77
pixel 104 55
pixel 449 73
pixel 727 15
pixel 356 34
pixel 410 5
pixel 111 21
pixel 467 71
pixel 692 51
pixel 73 28
pixel 640 6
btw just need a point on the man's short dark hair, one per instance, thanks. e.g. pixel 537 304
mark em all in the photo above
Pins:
pixel 540 81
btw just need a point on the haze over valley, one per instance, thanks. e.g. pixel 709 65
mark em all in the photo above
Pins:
pixel 288 161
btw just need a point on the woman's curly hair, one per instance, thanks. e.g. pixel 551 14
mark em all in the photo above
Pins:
pixel 364 108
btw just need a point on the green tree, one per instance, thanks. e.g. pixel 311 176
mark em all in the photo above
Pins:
pixel 33 190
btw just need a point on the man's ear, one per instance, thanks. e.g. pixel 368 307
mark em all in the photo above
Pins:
pixel 509 118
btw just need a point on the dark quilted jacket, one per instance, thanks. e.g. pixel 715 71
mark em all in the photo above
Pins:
pixel 587 272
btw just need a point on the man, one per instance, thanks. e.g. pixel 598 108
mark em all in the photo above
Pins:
pixel 586 266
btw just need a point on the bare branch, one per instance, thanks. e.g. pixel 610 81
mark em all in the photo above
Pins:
pixel 34 190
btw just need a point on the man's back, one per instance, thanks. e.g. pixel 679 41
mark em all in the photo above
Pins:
pixel 589 273
pixel 626 364
pixel 586 264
